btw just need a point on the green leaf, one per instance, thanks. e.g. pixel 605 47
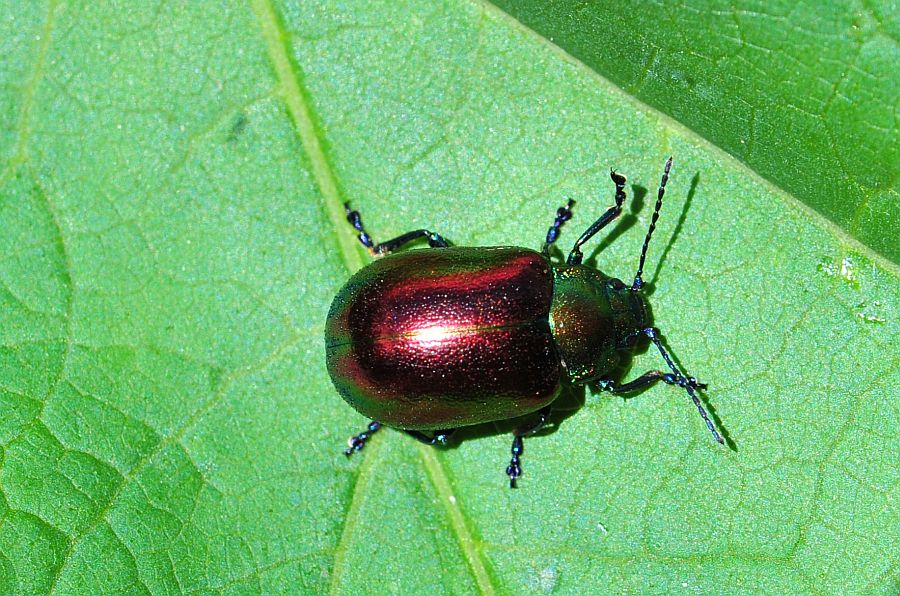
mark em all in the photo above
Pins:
pixel 805 93
pixel 171 180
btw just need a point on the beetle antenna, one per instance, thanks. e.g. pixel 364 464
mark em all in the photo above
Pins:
pixel 638 280
pixel 688 383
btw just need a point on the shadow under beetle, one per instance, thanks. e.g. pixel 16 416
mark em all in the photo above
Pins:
pixel 427 341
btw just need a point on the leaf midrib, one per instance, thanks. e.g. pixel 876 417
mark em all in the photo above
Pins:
pixel 289 76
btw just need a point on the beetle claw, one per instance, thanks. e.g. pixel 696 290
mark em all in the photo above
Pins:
pixel 693 382
pixel 513 470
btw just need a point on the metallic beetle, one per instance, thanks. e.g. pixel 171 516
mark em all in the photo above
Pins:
pixel 428 341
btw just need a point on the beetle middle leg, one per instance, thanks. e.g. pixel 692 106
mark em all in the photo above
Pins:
pixel 514 469
pixel 353 217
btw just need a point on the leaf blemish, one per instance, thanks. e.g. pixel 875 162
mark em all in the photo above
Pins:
pixel 238 127
pixel 545 579
pixel 846 270
pixel 869 312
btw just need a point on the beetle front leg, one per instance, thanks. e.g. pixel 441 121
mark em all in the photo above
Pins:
pixel 651 377
pixel 514 469
pixel 377 250
pixel 575 256
pixel 689 384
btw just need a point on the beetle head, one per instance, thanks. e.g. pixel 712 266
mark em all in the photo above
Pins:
pixel 629 311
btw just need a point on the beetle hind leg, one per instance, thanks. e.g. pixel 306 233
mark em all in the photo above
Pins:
pixel 514 469
pixel 439 438
pixel 383 248
pixel 357 442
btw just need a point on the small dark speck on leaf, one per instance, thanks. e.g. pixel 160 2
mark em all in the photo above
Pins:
pixel 238 127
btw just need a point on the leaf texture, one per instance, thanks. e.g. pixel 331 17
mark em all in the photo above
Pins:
pixel 171 188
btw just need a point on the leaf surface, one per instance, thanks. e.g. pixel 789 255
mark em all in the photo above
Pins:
pixel 171 191
pixel 804 93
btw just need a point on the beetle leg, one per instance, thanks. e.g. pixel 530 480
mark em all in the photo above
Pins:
pixel 357 442
pixel 439 438
pixel 434 240
pixel 355 220
pixel 563 214
pixel 514 469
pixel 647 379
pixel 613 212
pixel 689 384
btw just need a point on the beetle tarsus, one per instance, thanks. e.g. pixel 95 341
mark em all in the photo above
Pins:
pixel 357 442
pixel 692 382
pixel 689 384
pixel 563 214
pixel 514 469
pixel 355 220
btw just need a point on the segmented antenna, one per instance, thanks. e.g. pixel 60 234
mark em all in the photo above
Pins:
pixel 638 280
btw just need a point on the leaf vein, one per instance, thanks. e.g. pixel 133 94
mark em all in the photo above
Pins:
pixel 295 96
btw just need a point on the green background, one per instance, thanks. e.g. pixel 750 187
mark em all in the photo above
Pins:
pixel 171 180
pixel 805 93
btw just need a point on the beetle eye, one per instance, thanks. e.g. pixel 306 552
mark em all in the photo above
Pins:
pixel 616 284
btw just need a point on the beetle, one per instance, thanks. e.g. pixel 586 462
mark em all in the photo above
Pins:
pixel 428 341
